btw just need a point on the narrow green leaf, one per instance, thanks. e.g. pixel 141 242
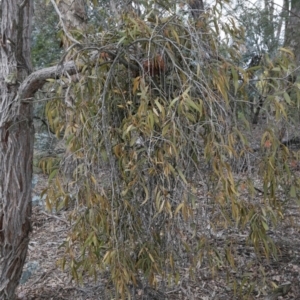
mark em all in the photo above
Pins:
pixel 53 174
pixel 287 97
pixel 182 176
pixel 293 191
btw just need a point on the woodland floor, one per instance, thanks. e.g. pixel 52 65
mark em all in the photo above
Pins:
pixel 48 281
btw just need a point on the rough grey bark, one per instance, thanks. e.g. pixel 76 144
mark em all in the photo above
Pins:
pixel 73 17
pixel 16 144
pixel 73 14
pixel 292 32
pixel 37 79
pixel 16 138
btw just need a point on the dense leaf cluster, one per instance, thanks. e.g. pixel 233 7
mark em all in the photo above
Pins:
pixel 158 132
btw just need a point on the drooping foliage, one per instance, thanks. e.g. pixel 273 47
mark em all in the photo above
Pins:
pixel 159 135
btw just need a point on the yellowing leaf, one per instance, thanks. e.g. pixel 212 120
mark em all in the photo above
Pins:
pixel 287 97
pixel 179 207
pixel 182 176
pixel 235 79
pixel 136 83
pixel 265 225
pixel 287 51
pixel 175 35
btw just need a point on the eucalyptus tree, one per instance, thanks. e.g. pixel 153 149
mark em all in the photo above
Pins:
pixel 17 85
pixel 16 131
pixel 152 102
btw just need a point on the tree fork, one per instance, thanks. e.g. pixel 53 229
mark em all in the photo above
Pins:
pixel 16 144
pixel 17 88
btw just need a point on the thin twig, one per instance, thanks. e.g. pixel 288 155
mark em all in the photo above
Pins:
pixel 55 217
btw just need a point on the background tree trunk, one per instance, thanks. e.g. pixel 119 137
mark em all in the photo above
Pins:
pixel 197 8
pixel 73 19
pixel 16 144
pixel 292 37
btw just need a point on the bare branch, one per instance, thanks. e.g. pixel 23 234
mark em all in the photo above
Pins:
pixel 63 24
pixel 37 79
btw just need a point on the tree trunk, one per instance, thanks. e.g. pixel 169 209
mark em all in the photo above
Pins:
pixel 16 144
pixel 268 26
pixel 73 18
pixel 292 32
pixel 17 88
pixel 197 8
